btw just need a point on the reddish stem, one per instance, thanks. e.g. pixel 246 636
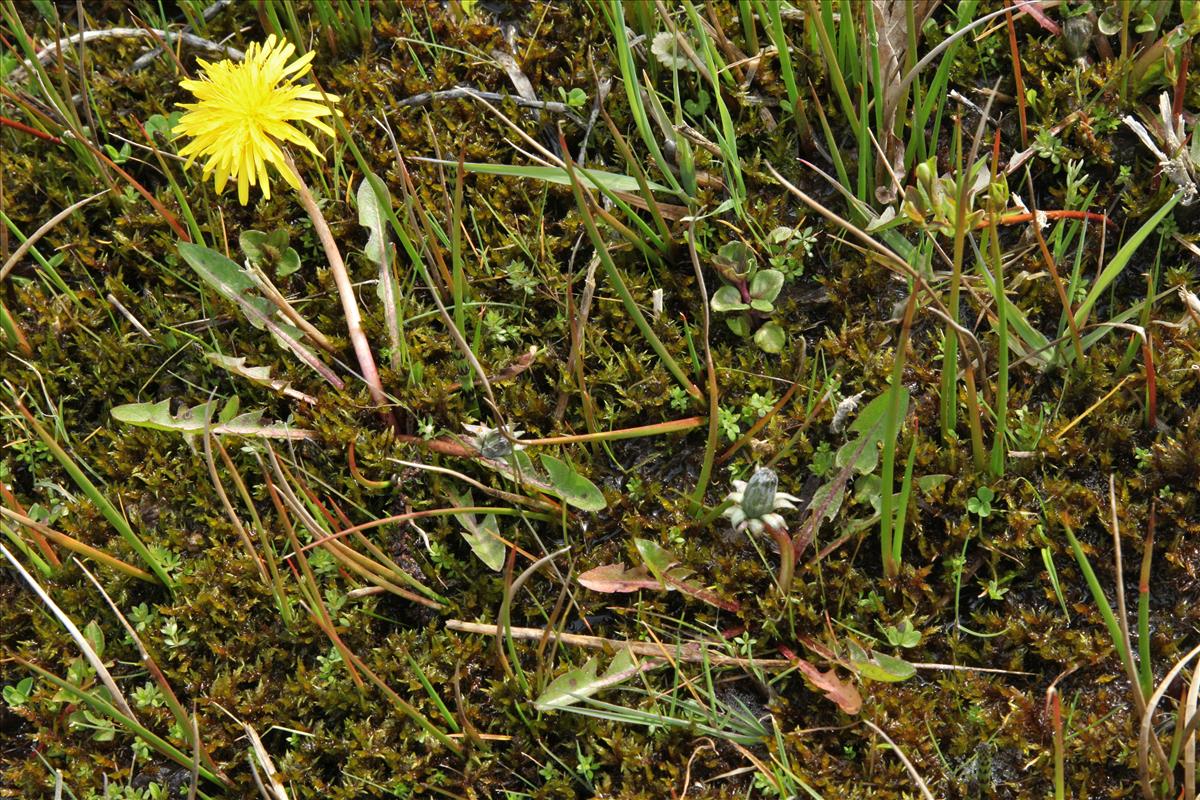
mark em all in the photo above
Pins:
pixel 1015 219
pixel 21 126
pixel 1018 77
pixel 787 558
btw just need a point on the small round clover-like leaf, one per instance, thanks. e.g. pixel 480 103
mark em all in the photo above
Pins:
pixel 762 305
pixel 1110 22
pixel 770 338
pixel 738 325
pixel 766 285
pixel 780 234
pixel 737 257
pixel 288 263
pixel 727 298
pixel 270 250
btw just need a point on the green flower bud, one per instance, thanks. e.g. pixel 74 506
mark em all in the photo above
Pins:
pixel 1077 35
pixel 758 498
pixel 998 194
pixel 493 445
pixel 926 173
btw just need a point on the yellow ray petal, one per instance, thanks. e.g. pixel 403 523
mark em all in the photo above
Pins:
pixel 245 111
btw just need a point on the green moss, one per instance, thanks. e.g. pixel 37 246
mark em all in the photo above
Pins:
pixel 970 733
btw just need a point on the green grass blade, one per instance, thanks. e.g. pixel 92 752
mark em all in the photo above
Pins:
pixel 110 512
pixel 1106 612
pixel 614 276
pixel 104 708
pixel 615 13
pixel 902 505
pixel 595 178
pixel 1121 260
pixel 835 70
pixel 897 406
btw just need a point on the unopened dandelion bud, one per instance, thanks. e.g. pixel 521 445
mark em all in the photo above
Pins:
pixel 758 499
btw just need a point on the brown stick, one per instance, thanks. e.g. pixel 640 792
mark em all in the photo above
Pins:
pixel 689 651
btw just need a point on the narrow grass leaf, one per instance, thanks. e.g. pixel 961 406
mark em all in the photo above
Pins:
pixel 1121 260
pixel 110 512
pixel 594 178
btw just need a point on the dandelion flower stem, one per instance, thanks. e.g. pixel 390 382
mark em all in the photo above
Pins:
pixel 362 348
pixel 787 558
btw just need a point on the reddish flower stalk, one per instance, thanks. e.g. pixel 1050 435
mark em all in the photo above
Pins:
pixel 1015 219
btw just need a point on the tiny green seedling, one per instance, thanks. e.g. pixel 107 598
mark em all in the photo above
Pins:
pixel 118 156
pixel 18 694
pixel 902 635
pixel 160 125
pixel 103 729
pixel 981 504
pixel 788 248
pixel 576 98
pixel 270 251
pixel 586 766
pixel 748 296
pixel 995 588
pixel 148 695
pixel 696 108
pixel 173 636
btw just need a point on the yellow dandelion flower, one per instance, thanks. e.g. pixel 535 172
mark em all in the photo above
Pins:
pixel 244 112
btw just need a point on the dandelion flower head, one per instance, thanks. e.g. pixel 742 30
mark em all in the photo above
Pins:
pixel 244 111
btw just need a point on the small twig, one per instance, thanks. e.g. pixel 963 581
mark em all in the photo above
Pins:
pixel 460 92
pixel 689 651
pixel 1092 408
pixel 21 126
pixel 1068 309
pixel 654 428
pixel 42 231
pixel 1018 77
pixel 144 60
pixel 912 770
pixel 1027 216
pixel 288 310
pixel 541 504
pixel 960 668
pixel 191 39
pixel 125 312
